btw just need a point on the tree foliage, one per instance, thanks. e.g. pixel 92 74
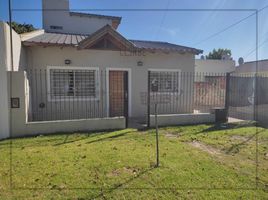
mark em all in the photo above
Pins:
pixel 22 28
pixel 217 54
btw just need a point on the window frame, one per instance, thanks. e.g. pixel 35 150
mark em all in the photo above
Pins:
pixel 73 98
pixel 166 71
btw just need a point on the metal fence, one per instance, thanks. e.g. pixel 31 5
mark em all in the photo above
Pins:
pixel 79 93
pixel 183 92
pixel 249 97
pixel 67 94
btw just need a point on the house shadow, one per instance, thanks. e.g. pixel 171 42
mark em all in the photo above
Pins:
pixel 105 192
pixel 226 126
pixel 108 138
pixel 92 135
pixel 236 147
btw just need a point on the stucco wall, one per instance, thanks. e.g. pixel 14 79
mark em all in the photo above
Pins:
pixel 20 126
pixel 182 119
pixel 4 105
pixel 212 68
pixel 19 61
pixel 70 24
pixel 40 58
pixel 19 53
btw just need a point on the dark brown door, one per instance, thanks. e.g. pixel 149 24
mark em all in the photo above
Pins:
pixel 118 93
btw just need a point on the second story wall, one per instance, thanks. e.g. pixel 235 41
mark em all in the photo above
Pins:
pixel 214 66
pixel 58 18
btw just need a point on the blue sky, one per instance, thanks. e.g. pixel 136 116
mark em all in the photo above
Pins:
pixel 185 28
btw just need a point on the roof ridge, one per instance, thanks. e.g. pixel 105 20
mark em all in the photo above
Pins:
pixel 95 15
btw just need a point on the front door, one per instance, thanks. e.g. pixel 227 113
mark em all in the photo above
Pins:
pixel 118 93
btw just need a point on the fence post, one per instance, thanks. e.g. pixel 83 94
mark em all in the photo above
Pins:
pixel 157 137
pixel 126 97
pixel 227 93
pixel 148 100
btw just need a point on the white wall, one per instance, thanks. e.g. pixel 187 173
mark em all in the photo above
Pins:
pixel 19 53
pixel 19 60
pixel 182 119
pixel 214 66
pixel 70 24
pixel 4 105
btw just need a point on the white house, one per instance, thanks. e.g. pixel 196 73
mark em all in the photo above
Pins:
pixel 79 66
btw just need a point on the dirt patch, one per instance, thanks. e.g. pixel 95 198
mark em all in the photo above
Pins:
pixel 171 133
pixel 206 148
pixel 172 136
pixel 240 138
pixel 124 170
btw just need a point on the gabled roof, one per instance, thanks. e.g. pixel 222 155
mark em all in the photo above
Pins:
pixel 93 38
pixel 86 41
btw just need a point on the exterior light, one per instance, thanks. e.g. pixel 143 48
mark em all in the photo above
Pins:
pixel 67 62
pixel 140 63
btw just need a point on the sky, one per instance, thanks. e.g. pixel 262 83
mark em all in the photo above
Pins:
pixel 203 30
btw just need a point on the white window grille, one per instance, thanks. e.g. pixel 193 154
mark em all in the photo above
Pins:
pixel 165 81
pixel 69 84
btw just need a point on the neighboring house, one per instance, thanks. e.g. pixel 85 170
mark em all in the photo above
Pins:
pixel 77 47
pixel 252 67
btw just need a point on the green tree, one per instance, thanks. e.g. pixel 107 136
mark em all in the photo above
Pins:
pixel 22 28
pixel 217 54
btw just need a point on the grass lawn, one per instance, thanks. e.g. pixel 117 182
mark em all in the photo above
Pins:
pixel 196 162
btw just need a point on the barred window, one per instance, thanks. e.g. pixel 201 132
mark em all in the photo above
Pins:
pixel 73 83
pixel 162 81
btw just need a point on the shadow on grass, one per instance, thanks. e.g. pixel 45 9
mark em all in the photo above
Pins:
pixel 93 135
pixel 121 185
pixel 108 138
pixel 227 126
pixel 53 139
pixel 236 147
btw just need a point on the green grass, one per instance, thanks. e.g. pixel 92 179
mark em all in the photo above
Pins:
pixel 120 165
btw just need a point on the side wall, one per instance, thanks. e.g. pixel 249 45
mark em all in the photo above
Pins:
pixel 19 53
pixel 213 67
pixel 20 126
pixel 4 104
pixel 19 61
pixel 40 58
